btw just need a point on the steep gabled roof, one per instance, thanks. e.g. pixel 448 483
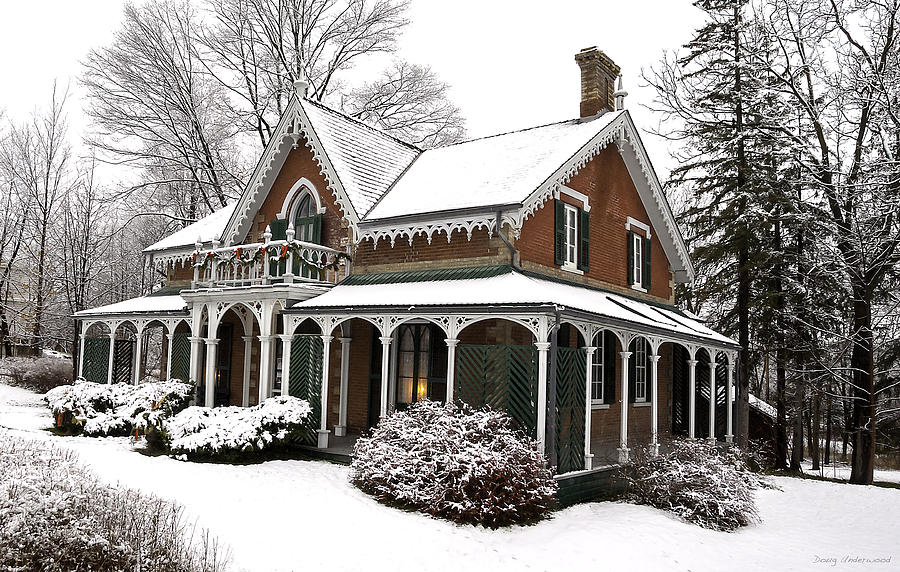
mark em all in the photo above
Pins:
pixel 497 170
pixel 358 162
pixel 366 160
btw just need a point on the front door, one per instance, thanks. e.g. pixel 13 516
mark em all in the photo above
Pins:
pixel 223 366
pixel 421 364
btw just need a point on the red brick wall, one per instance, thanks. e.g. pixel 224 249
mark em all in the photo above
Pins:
pixel 613 197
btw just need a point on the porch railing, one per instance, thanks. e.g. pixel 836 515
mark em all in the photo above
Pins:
pixel 268 262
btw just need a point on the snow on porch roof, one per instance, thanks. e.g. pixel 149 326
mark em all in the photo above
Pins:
pixel 513 288
pixel 207 228
pixel 498 170
pixel 151 304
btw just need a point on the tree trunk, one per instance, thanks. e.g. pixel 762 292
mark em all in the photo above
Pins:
pixel 781 444
pixel 862 367
pixel 797 450
pixel 814 432
pixel 828 427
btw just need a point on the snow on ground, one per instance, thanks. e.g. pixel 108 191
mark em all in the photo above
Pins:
pixel 842 471
pixel 303 515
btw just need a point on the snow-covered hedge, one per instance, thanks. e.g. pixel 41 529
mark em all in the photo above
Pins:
pixel 457 463
pixel 100 409
pixel 231 432
pixel 39 374
pixel 57 516
pixel 699 482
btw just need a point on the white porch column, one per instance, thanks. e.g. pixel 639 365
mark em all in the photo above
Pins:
pixel 543 351
pixel 81 350
pixel 729 397
pixel 654 404
pixel 692 397
pixel 170 339
pixel 112 348
pixel 265 367
pixel 196 347
pixel 340 429
pixel 323 422
pixel 245 387
pixel 712 399
pixel 623 414
pixel 210 389
pixel 385 358
pixel 138 351
pixel 589 378
pixel 286 340
pixel 451 368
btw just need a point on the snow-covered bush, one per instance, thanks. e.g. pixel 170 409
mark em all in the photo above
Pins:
pixel 457 463
pixel 229 433
pixel 40 374
pixel 100 409
pixel 57 516
pixel 697 481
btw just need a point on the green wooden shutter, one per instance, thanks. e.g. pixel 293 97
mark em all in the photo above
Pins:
pixel 584 248
pixel 559 250
pixel 630 264
pixel 632 371
pixel 646 278
pixel 317 229
pixel 609 367
pixel 279 229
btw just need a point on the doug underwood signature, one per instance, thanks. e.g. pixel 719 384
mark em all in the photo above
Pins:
pixel 851 559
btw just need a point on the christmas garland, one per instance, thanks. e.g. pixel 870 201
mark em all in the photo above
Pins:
pixel 250 257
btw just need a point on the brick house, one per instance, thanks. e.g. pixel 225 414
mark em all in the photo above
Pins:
pixel 531 271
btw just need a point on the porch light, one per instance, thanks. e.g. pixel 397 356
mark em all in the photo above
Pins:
pixel 421 390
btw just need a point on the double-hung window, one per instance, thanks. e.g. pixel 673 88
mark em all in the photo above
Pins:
pixel 640 370
pixel 598 371
pixel 571 247
pixel 639 259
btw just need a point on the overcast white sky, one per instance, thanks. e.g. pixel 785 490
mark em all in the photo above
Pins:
pixel 510 63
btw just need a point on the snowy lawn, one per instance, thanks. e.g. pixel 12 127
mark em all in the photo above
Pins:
pixel 304 515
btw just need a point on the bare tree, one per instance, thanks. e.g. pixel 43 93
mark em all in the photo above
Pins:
pixel 260 47
pixel 156 108
pixel 37 160
pixel 409 102
pixel 838 64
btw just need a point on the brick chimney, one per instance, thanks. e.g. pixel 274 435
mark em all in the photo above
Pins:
pixel 598 81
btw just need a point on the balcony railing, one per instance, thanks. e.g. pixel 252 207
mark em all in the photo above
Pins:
pixel 269 262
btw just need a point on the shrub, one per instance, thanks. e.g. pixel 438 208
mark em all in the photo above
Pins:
pixel 457 463
pixel 56 516
pixel 227 433
pixel 40 374
pixel 697 481
pixel 100 409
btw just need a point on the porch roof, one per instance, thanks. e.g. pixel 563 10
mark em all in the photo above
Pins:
pixel 150 304
pixel 509 288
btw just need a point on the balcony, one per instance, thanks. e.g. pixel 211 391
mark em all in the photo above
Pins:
pixel 269 262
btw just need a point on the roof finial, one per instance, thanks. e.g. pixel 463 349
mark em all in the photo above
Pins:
pixel 620 94
pixel 300 86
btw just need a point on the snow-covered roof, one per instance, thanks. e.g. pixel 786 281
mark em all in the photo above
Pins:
pixel 366 160
pixel 498 170
pixel 142 305
pixel 514 288
pixel 207 228
pixel 762 406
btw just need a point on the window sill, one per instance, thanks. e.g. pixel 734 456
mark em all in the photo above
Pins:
pixel 573 269
pixel 639 288
pixel 641 404
pixel 596 406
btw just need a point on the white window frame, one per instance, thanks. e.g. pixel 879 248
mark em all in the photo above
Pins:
pixel 597 364
pixel 640 370
pixel 637 262
pixel 570 247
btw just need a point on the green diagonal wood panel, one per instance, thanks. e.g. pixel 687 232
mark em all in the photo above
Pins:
pixel 500 377
pixel 570 402
pixel 181 357
pixel 305 379
pixel 96 359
